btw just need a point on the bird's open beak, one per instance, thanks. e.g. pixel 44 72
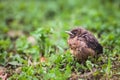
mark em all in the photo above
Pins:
pixel 69 32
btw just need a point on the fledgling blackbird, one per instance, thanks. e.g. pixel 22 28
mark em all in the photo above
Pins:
pixel 83 44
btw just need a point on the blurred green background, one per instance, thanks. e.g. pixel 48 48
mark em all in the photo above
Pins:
pixel 31 29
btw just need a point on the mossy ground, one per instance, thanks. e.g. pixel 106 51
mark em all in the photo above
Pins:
pixel 33 42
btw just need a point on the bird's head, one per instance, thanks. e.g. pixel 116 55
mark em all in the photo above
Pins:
pixel 76 32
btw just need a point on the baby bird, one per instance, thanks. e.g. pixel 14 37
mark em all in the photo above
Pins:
pixel 83 44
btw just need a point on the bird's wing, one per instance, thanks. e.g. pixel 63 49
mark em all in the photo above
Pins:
pixel 92 43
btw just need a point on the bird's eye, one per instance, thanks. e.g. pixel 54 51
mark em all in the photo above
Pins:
pixel 74 32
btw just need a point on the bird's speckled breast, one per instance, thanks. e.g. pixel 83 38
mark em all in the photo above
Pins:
pixel 76 42
pixel 76 46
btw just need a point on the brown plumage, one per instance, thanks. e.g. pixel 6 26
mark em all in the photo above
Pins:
pixel 83 44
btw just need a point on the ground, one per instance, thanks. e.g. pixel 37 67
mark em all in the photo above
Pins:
pixel 33 42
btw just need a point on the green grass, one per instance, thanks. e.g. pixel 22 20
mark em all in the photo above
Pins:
pixel 32 29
